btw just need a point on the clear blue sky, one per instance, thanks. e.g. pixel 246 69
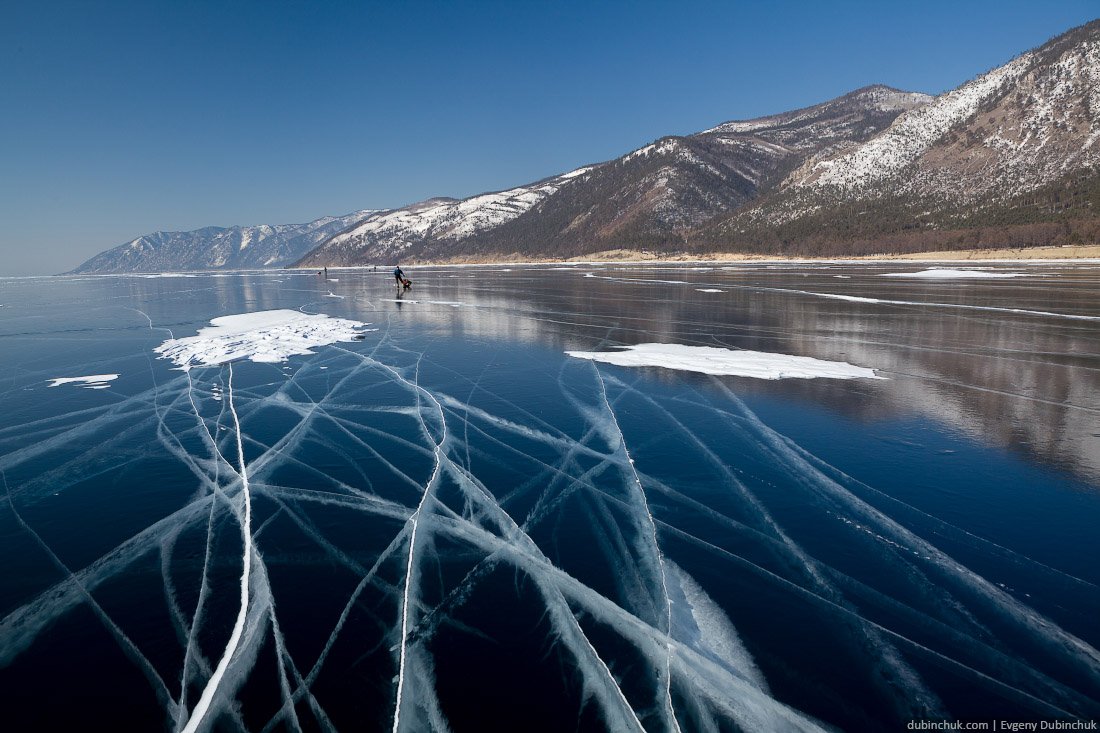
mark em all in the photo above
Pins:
pixel 121 118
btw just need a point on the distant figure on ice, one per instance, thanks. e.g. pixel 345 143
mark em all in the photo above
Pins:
pixel 402 281
pixel 326 273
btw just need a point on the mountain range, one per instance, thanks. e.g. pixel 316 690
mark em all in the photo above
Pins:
pixel 1010 158
pixel 214 248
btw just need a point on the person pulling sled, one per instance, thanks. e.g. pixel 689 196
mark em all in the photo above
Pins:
pixel 402 282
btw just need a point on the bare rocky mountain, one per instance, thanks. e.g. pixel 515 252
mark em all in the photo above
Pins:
pixel 654 196
pixel 214 248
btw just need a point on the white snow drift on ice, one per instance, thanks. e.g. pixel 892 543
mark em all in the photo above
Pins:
pixel 714 360
pixel 945 274
pixel 267 336
pixel 92 381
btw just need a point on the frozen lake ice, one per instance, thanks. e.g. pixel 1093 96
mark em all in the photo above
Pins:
pixel 603 497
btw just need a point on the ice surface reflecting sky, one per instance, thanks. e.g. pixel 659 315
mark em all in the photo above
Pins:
pixel 447 523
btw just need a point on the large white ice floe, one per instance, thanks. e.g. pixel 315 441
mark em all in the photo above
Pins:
pixel 266 336
pixel 714 360
pixel 92 381
pixel 937 273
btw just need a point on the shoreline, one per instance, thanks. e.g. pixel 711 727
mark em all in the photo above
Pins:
pixel 1063 253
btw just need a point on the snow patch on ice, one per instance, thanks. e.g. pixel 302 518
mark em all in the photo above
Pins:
pixel 714 360
pixel 92 381
pixel 945 274
pixel 267 336
pixel 710 290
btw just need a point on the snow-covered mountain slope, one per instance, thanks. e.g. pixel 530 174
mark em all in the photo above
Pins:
pixel 214 248
pixel 1009 159
pixel 1016 152
pixel 386 235
pixel 649 197
pixel 839 120
pixel 1015 129
pixel 910 136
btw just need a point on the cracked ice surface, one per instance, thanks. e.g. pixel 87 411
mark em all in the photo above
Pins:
pixel 432 529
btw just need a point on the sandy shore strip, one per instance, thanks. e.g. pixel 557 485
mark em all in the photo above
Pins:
pixel 1053 254
pixel 1065 252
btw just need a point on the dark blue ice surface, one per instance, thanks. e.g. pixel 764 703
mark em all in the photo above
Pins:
pixel 456 526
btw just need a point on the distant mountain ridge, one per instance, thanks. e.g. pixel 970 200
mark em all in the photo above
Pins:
pixel 654 196
pixel 1011 158
pixel 214 248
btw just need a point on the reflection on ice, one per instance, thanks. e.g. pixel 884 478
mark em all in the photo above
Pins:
pixel 948 306
pixel 405 301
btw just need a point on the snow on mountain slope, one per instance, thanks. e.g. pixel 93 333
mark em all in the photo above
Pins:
pixel 878 98
pixel 644 198
pixel 213 248
pixel 1024 137
pixel 388 234
pixel 1018 127
pixel 1015 152
pixel 912 133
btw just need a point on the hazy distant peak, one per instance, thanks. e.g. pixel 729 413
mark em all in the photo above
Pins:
pixel 210 248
